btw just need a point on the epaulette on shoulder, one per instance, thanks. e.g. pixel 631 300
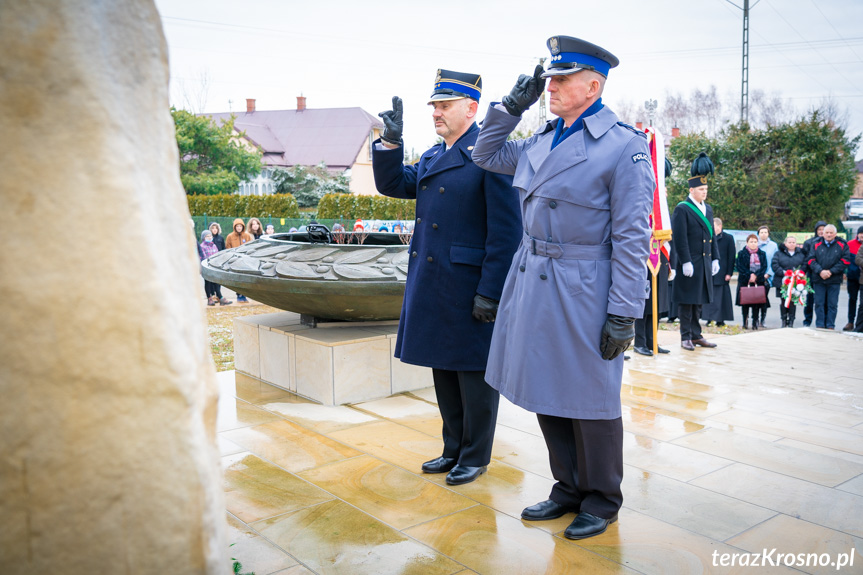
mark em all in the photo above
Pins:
pixel 633 129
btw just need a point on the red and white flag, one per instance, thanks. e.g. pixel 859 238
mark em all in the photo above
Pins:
pixel 660 221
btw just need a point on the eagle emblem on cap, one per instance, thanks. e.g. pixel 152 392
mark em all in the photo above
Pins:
pixel 553 45
pixel 437 78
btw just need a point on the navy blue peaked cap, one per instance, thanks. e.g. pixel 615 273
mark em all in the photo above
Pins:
pixel 449 85
pixel 569 55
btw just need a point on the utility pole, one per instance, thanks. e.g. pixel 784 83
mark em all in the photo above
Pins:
pixel 542 119
pixel 744 86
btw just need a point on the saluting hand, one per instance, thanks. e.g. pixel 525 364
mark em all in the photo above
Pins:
pixel 525 92
pixel 393 123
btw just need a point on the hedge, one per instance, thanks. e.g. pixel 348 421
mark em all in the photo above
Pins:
pixel 236 206
pixel 349 206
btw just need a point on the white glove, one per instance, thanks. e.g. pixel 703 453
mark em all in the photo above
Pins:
pixel 714 269
pixel 671 275
pixel 688 270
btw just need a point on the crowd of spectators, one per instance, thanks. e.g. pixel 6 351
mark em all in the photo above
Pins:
pixel 827 260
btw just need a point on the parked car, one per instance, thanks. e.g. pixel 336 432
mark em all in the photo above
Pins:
pixel 854 209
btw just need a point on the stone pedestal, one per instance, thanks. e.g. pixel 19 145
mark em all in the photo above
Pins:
pixel 331 365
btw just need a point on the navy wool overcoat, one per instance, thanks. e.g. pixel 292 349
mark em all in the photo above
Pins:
pixel 467 228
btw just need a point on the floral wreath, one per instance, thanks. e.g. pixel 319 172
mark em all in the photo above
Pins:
pixel 795 286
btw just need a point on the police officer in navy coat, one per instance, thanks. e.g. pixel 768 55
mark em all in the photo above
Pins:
pixel 697 256
pixel 467 228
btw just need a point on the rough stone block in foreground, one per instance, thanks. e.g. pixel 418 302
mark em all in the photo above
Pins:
pixel 108 461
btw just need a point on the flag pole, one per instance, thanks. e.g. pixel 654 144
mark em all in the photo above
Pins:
pixel 655 322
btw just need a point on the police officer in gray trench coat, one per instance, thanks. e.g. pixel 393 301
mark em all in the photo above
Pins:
pixel 466 231
pixel 578 279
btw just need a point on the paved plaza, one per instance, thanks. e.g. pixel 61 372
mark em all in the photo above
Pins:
pixel 754 445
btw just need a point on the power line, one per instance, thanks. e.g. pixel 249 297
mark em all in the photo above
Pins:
pixel 814 48
pixel 838 35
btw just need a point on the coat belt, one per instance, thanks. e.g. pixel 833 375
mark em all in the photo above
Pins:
pixel 567 251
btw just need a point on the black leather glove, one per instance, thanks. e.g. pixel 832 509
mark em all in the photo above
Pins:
pixel 393 123
pixel 525 92
pixel 617 333
pixel 484 309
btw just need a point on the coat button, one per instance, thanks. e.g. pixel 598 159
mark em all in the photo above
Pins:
pixel 413 255
pixel 441 189
pixel 548 239
pixel 431 259
pixel 521 268
pixel 424 187
pixel 530 198
pixel 552 204
pixel 434 226
pixel 419 220
pixel 543 277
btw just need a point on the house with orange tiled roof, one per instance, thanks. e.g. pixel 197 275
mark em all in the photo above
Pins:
pixel 339 137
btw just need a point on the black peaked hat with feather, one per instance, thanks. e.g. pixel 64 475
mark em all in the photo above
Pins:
pixel 701 168
pixel 668 168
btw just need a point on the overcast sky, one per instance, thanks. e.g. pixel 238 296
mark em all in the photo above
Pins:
pixel 345 53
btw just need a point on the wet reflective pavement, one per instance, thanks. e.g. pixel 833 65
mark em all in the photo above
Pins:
pixel 756 444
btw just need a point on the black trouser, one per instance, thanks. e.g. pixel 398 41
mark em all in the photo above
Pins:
pixel 853 290
pixel 468 406
pixel 690 328
pixel 810 302
pixel 755 312
pixel 787 315
pixel 212 289
pixel 644 332
pixel 586 458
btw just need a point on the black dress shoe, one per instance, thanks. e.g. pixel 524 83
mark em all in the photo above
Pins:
pixel 461 474
pixel 687 345
pixel 439 465
pixel 643 350
pixel 544 510
pixel 587 525
pixel 703 343
pixel 662 350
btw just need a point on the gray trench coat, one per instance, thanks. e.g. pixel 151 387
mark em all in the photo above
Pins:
pixel 585 209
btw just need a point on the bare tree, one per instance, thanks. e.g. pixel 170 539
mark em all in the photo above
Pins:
pixel 834 112
pixel 193 92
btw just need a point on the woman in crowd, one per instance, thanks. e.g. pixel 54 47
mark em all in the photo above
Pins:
pixel 787 257
pixel 235 239
pixel 218 239
pixel 207 248
pixel 751 267
pixel 255 228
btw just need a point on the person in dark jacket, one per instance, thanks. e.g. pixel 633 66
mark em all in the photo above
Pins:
pixel 468 226
pixel 697 257
pixel 787 257
pixel 807 250
pixel 827 260
pixel 858 261
pixel 853 276
pixel 721 309
pixel 218 238
pixel 751 267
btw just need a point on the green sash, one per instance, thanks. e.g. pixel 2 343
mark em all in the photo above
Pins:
pixel 695 209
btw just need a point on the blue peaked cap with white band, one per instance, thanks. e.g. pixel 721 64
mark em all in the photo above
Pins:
pixel 570 55
pixel 449 85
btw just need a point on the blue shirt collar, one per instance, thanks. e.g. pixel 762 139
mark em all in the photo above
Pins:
pixel 560 135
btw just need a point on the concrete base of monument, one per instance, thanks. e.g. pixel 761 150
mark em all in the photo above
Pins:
pixel 332 365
